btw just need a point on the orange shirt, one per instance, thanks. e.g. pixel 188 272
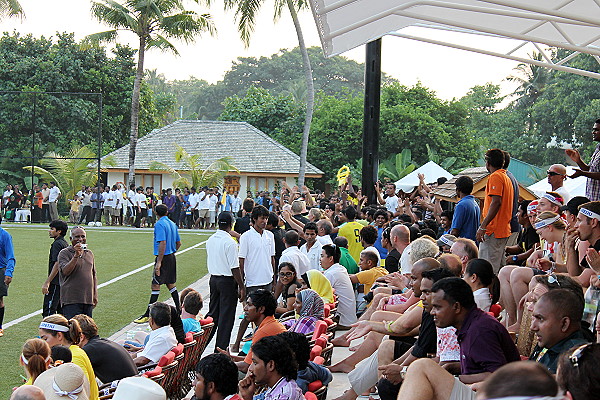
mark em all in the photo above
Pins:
pixel 499 184
pixel 269 327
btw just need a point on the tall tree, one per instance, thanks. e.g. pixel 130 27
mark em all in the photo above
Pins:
pixel 154 22
pixel 246 11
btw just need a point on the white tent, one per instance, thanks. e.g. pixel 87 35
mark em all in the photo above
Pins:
pixel 575 187
pixel 431 170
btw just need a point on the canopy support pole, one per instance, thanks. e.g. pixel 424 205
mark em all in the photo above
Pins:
pixel 370 152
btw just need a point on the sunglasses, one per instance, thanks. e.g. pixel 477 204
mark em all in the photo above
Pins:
pixel 552 173
pixel 286 274
pixel 576 356
pixel 552 279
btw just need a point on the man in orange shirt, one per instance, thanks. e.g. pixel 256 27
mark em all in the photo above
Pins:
pixel 494 231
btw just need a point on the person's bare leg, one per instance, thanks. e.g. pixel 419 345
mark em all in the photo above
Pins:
pixel 385 355
pixel 506 297
pixel 349 394
pixel 235 348
pixel 519 284
pixel 426 380
pixel 371 343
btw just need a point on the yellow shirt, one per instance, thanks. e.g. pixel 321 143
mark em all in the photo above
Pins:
pixel 368 277
pixel 80 358
pixel 351 231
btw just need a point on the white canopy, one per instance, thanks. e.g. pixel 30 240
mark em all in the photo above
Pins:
pixel 431 170
pixel 568 24
pixel 575 187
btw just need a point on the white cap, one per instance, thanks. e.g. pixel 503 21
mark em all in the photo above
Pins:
pixel 139 388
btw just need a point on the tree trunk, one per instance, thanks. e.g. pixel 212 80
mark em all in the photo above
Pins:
pixel 135 109
pixel 310 94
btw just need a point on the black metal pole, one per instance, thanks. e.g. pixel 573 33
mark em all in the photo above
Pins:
pixel 33 127
pixel 370 153
pixel 100 106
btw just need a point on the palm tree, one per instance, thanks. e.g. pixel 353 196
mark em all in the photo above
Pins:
pixel 70 170
pixel 532 80
pixel 10 8
pixel 245 13
pixel 154 22
pixel 210 176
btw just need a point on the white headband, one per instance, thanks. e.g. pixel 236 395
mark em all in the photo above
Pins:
pixel 26 361
pixel 446 241
pixel 72 394
pixel 545 222
pixel 553 199
pixel 53 327
pixel 589 213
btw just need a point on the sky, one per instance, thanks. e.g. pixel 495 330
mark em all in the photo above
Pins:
pixel 449 72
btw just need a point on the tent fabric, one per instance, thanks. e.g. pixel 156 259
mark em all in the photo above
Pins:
pixel 431 171
pixel 575 187
pixel 346 24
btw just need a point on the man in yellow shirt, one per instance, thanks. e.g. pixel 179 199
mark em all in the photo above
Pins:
pixel 370 270
pixel 351 231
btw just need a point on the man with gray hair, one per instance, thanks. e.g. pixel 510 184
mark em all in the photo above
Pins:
pixel 324 229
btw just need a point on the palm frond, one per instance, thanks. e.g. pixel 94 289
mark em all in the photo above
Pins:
pixel 11 8
pixel 114 15
pixel 187 25
pixel 161 43
pixel 245 14
pixel 96 39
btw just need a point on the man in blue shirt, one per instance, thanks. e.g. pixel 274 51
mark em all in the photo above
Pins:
pixel 166 243
pixel 467 215
pixel 7 267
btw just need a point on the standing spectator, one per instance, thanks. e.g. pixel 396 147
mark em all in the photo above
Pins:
pixel 53 197
pixel 171 202
pixel 226 282
pixel 51 288
pixel 203 209
pixel 36 209
pixel 242 224
pixel 391 200
pixel 7 267
pixel 193 200
pixel 592 170
pixel 166 243
pixel 131 207
pixel 110 202
pixel 213 204
pixel 350 229
pixel 96 200
pixel 77 276
pixel 467 215
pixel 557 174
pixel 236 203
pixel 45 206
pixel 312 247
pixel 141 212
pixel 495 229
pixel 86 206
pixel 74 209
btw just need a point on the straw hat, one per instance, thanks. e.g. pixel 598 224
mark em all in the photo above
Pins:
pixel 139 388
pixel 65 382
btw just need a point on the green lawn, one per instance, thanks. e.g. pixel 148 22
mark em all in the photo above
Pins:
pixel 116 252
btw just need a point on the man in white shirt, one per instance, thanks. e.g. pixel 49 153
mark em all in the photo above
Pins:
pixel 324 229
pixel 53 196
pixel 226 283
pixel 312 247
pixel 45 204
pixel 340 281
pixel 557 174
pixel 131 207
pixel 203 209
pixel 193 200
pixel 236 204
pixel 391 201
pixel 257 260
pixel 213 200
pixel 141 206
pixel 161 339
pixel 110 203
pixel 292 253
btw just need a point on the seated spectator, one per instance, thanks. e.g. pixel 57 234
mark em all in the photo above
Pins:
pixel 480 277
pixel 445 242
pixel 522 380
pixel 370 270
pixel 465 249
pixel 316 281
pixel 216 378
pixel 485 346
pixel 57 330
pixel 67 381
pixel 274 366
pixel 259 310
pixel 288 279
pixel 28 392
pixel 35 358
pixel 556 321
pixel 578 373
pixel 308 371
pixel 161 339
pixel 339 279
pixel 190 308
pixel 139 388
pixel 309 309
pixel 60 355
pixel 368 237
pixel 109 359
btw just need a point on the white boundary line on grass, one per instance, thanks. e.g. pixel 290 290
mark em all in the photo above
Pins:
pixel 113 280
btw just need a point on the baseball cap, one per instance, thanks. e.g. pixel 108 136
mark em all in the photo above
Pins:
pixel 225 218
pixel 573 205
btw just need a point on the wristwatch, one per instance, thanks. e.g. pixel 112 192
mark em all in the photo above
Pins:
pixel 515 258
pixel 403 372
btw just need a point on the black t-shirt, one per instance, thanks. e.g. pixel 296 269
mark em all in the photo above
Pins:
pixel 427 340
pixel 392 261
pixel 242 224
pixel 528 238
pixel 278 234
pixel 58 244
pixel 109 359
pixel 584 263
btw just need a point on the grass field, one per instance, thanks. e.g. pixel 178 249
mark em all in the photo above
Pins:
pixel 116 251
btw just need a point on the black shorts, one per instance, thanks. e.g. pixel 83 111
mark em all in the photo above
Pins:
pixel 3 287
pixel 168 271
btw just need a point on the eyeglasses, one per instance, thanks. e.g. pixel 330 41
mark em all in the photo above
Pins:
pixel 286 274
pixel 552 173
pixel 574 358
pixel 552 280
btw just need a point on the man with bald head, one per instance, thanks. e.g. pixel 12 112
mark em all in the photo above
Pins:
pixel 452 263
pixel 466 250
pixel 77 276
pixel 400 238
pixel 557 174
pixel 28 392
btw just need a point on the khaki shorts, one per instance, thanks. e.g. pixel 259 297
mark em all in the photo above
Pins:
pixel 203 213
pixel 460 391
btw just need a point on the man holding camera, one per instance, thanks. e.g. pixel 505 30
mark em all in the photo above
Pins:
pixel 77 276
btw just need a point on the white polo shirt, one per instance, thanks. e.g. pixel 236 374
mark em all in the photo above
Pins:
pixel 297 258
pixel 221 254
pixel 203 204
pixel 53 195
pixel 391 203
pixel 193 200
pixel 314 255
pixel 160 341
pixel 325 239
pixel 257 250
pixel 340 281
